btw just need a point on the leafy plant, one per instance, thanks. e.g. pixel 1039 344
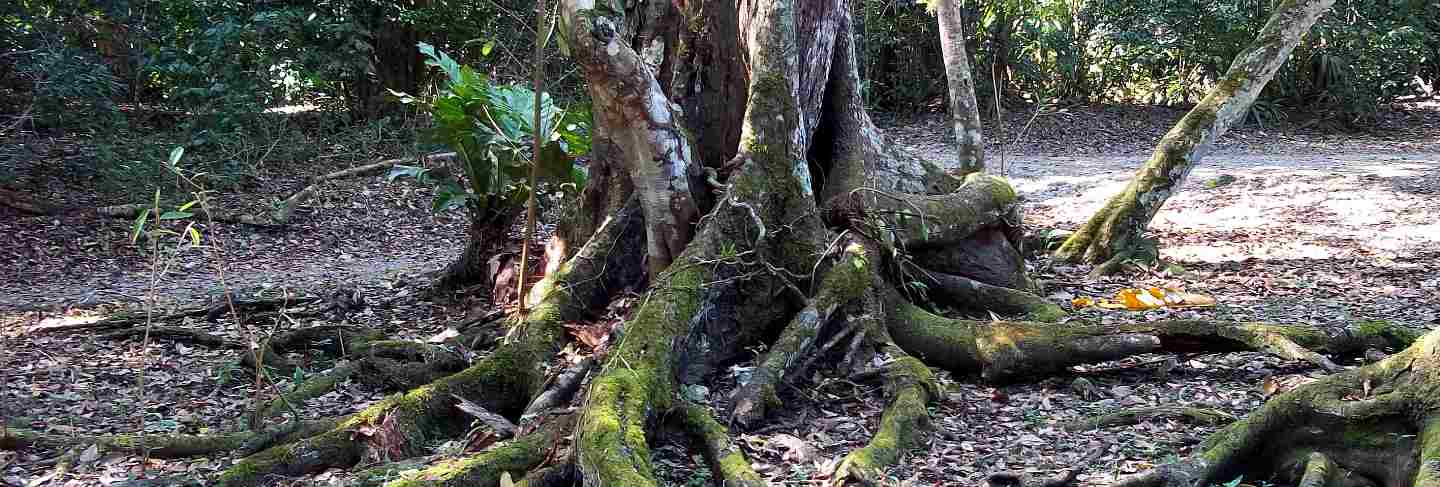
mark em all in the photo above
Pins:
pixel 491 129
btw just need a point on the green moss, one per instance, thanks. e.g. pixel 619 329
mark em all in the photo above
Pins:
pixel 999 188
pixel 945 343
pixel 902 427
pixel 637 380
pixel 483 470
pixel 1046 314
pixel 733 467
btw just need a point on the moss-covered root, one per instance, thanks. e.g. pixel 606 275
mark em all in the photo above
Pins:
pixel 965 293
pixel 1370 426
pixel 1136 415
pixel 928 221
pixel 171 446
pixel 503 382
pixel 1008 350
pixel 1428 474
pixel 725 458
pixel 313 387
pixel 789 355
pixel 516 457
pixel 904 425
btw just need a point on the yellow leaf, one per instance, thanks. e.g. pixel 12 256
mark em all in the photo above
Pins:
pixel 1081 302
pixel 1138 299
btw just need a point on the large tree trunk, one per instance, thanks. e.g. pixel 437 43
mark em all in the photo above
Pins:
pixel 1116 232
pixel 963 109
pixel 819 228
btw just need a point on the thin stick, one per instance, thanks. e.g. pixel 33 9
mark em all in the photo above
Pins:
pixel 541 38
pixel 999 124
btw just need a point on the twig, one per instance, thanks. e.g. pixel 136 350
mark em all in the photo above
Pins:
pixel 503 427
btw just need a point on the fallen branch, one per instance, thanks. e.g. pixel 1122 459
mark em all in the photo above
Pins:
pixel 1136 415
pixel 176 333
pixel 287 207
pixel 211 313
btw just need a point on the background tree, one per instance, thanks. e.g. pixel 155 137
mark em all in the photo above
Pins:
pixel 1116 232
pixel 969 143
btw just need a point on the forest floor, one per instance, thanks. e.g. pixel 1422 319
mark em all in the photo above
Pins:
pixel 1317 226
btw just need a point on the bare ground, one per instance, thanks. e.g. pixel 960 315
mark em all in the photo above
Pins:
pixel 1318 226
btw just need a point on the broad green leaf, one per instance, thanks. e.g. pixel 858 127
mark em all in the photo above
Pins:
pixel 176 154
pixel 176 215
pixel 485 49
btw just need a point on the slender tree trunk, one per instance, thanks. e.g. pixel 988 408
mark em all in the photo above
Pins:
pixel 1116 232
pixel 968 142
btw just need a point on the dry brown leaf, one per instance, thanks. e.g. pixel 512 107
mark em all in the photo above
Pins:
pixel 796 449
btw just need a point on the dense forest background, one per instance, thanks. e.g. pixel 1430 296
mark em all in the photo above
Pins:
pixel 212 74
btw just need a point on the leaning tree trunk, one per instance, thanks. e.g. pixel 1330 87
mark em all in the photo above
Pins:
pixel 1116 232
pixel 963 108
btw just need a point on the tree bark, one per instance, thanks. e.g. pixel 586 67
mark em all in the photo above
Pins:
pixel 969 146
pixel 486 237
pixel 641 125
pixel 1116 231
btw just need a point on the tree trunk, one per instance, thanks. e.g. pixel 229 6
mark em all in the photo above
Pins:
pixel 1115 232
pixel 641 126
pixel 819 228
pixel 969 145
pixel 487 236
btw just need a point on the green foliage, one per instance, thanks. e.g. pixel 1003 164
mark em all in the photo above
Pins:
pixel 492 129
pixel 1166 52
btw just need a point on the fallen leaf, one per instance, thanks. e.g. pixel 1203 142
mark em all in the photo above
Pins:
pixel 796 449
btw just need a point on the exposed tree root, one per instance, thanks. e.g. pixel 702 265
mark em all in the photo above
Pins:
pixel 515 457
pixel 725 458
pixel 1008 350
pixel 313 387
pixel 562 389
pixel 923 221
pixel 969 294
pixel 789 355
pixel 905 424
pixel 1372 426
pixel 170 446
pixel 1136 415
pixel 503 382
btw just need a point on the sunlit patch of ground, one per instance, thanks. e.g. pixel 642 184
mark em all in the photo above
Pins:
pixel 1282 207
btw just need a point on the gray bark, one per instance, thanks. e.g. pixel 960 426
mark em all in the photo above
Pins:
pixel 963 108
pixel 641 124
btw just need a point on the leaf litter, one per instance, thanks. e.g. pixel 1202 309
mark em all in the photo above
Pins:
pixel 1314 228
